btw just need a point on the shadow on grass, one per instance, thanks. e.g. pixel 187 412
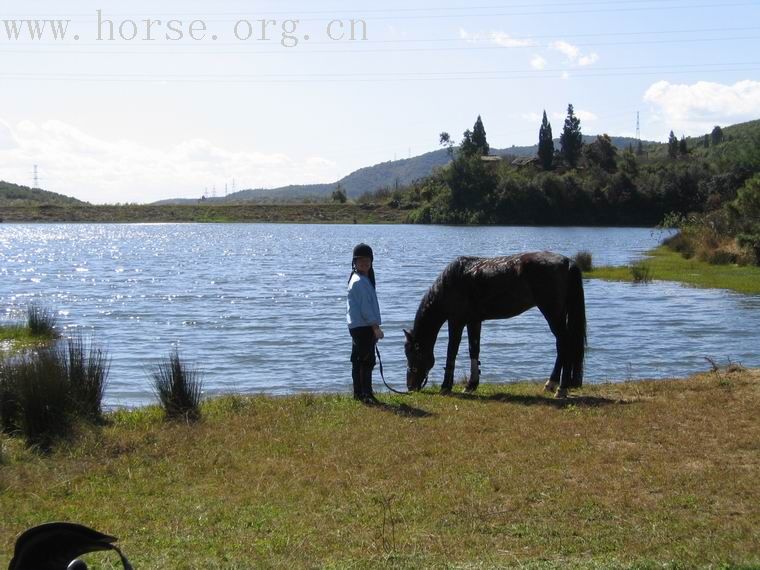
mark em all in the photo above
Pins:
pixel 537 400
pixel 403 410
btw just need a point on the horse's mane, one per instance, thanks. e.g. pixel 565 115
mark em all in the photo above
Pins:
pixel 437 291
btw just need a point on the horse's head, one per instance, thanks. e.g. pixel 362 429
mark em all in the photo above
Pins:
pixel 419 361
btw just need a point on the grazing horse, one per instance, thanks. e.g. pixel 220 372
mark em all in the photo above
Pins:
pixel 474 289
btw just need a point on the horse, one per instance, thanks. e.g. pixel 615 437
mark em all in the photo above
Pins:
pixel 471 290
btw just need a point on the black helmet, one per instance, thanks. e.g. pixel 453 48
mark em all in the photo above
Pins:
pixel 363 250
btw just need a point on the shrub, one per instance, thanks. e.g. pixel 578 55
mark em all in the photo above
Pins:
pixel 86 367
pixel 42 410
pixel 583 260
pixel 178 388
pixel 43 393
pixel 41 321
pixel 641 272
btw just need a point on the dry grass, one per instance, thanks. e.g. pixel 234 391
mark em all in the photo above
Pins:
pixel 637 474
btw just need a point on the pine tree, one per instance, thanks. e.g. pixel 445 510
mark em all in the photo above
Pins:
pixel 672 145
pixel 571 139
pixel 639 148
pixel 683 147
pixel 716 136
pixel 545 144
pixel 706 141
pixel 479 137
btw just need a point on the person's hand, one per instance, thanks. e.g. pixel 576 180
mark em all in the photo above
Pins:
pixel 379 334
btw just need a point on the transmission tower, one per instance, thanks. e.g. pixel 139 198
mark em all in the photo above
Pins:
pixel 36 180
pixel 638 128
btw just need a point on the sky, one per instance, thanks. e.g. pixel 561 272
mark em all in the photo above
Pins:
pixel 231 95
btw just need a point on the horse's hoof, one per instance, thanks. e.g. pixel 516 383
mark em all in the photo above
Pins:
pixel 561 394
pixel 445 391
pixel 550 386
pixel 468 389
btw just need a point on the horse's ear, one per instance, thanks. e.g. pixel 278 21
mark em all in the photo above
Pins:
pixel 408 335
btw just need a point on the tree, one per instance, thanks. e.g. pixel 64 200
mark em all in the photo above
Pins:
pixel 683 147
pixel 571 139
pixel 479 137
pixel 603 153
pixel 745 211
pixel 716 137
pixel 445 141
pixel 639 148
pixel 706 141
pixel 339 195
pixel 468 147
pixel 672 145
pixel 545 144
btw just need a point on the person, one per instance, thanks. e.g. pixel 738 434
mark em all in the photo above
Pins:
pixel 363 317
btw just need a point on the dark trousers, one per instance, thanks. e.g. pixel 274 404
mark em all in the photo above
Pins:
pixel 363 346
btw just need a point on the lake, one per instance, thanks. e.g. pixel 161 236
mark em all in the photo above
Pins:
pixel 261 307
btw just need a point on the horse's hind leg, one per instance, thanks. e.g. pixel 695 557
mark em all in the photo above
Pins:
pixel 473 338
pixel 557 380
pixel 553 382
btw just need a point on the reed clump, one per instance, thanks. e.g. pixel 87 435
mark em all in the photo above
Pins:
pixel 43 393
pixel 178 387
pixel 41 321
pixel 583 260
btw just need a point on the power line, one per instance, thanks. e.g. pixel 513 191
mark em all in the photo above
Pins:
pixel 551 9
pixel 294 51
pixel 534 74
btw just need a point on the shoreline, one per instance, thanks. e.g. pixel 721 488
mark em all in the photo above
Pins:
pixel 667 265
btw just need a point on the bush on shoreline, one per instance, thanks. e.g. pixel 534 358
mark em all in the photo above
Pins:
pixel 43 393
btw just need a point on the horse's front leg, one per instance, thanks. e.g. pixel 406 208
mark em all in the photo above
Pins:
pixel 473 338
pixel 455 337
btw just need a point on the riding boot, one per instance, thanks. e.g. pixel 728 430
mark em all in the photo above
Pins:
pixel 367 396
pixel 356 377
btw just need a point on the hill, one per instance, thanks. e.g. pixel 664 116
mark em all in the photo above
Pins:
pixel 389 174
pixel 17 195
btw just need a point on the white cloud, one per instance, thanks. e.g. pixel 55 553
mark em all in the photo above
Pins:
pixel 538 62
pixel 574 54
pixel 571 52
pixel 584 116
pixel 499 38
pixel 7 140
pixel 587 116
pixel 533 117
pixel 696 108
pixel 589 59
pixel 565 75
pixel 77 164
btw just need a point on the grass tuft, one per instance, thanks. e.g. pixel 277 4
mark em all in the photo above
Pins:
pixel 641 272
pixel 86 367
pixel 41 321
pixel 38 402
pixel 584 261
pixel 178 388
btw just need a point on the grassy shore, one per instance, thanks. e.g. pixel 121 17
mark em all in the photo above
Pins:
pixel 245 212
pixel 668 265
pixel 638 475
pixel 17 337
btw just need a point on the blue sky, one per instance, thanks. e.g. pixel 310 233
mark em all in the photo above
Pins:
pixel 137 120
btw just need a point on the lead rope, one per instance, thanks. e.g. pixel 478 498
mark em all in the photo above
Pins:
pixel 380 362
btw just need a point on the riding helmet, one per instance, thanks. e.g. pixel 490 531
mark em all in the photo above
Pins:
pixel 363 250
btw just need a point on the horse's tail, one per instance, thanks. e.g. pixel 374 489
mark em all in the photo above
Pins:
pixel 576 326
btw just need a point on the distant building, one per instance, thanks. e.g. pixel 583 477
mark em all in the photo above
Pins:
pixel 522 161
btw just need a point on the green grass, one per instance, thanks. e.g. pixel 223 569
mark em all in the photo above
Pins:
pixel 668 265
pixel 17 337
pixel 642 474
